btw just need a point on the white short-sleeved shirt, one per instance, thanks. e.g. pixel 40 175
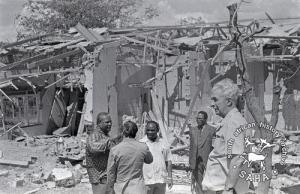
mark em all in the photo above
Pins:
pixel 156 172
pixel 217 165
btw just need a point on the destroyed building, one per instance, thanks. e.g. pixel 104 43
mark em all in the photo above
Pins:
pixel 56 84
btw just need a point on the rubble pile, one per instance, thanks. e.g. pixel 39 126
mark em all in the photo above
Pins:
pixel 288 174
pixel 43 161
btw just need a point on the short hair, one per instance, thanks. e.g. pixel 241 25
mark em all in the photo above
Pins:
pixel 227 88
pixel 100 116
pixel 154 123
pixel 130 129
pixel 204 114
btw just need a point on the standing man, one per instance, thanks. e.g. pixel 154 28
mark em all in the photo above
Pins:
pixel 97 150
pixel 159 172
pixel 200 147
pixel 125 163
pixel 224 163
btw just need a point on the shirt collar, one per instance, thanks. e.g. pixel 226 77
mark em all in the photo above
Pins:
pixel 127 139
pixel 145 139
pixel 98 130
pixel 229 115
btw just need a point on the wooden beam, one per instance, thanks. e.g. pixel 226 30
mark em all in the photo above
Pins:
pixel 270 18
pixel 88 34
pixel 81 123
pixel 28 82
pixel 57 81
pixel 277 37
pixel 16 125
pixel 56 57
pixel 199 88
pixel 179 148
pixel 6 96
pixel 158 114
pixel 174 27
pixel 22 62
pixel 149 45
pixel 27 40
pixel 36 74
pixel 154 39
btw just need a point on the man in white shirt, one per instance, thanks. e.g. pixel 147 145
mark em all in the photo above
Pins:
pixel 159 172
pixel 224 164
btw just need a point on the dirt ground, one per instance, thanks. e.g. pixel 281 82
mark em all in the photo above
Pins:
pixel 82 188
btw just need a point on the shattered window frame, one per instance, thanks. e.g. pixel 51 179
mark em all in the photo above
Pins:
pixel 26 109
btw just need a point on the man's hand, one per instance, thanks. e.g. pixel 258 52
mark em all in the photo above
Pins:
pixel 117 139
pixel 170 182
pixel 227 192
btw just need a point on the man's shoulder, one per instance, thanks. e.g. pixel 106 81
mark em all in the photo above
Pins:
pixel 97 135
pixel 235 119
pixel 140 144
pixel 143 140
pixel 208 126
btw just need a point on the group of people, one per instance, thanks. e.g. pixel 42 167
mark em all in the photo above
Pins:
pixel 123 165
pixel 215 152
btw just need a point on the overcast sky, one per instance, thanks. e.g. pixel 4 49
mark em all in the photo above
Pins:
pixel 172 10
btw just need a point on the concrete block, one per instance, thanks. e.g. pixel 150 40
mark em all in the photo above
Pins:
pixel 14 162
pixel 4 172
pixel 18 182
pixel 50 184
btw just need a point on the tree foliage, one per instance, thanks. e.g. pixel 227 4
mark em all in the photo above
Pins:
pixel 49 15
pixel 191 21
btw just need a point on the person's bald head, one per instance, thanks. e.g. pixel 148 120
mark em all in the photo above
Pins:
pixel 104 122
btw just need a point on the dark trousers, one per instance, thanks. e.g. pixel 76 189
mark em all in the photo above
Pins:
pixel 158 188
pixel 197 177
pixel 101 187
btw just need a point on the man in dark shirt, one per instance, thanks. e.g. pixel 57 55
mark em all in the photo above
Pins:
pixel 200 146
pixel 97 151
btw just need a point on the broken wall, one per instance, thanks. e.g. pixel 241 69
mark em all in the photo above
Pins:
pixel 133 100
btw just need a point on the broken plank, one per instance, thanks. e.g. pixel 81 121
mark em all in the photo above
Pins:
pixel 26 40
pixel 154 39
pixel 59 80
pixel 36 74
pixel 33 191
pixel 199 89
pixel 6 96
pixel 56 57
pixel 147 44
pixel 277 37
pixel 81 123
pixel 22 62
pixel 158 114
pixel 179 148
pixel 14 162
pixel 88 34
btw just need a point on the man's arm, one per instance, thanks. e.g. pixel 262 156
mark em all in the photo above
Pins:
pixel 111 170
pixel 168 158
pixel 170 178
pixel 148 156
pixel 97 143
pixel 235 164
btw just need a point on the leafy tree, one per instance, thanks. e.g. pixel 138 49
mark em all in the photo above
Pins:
pixel 191 21
pixel 49 15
